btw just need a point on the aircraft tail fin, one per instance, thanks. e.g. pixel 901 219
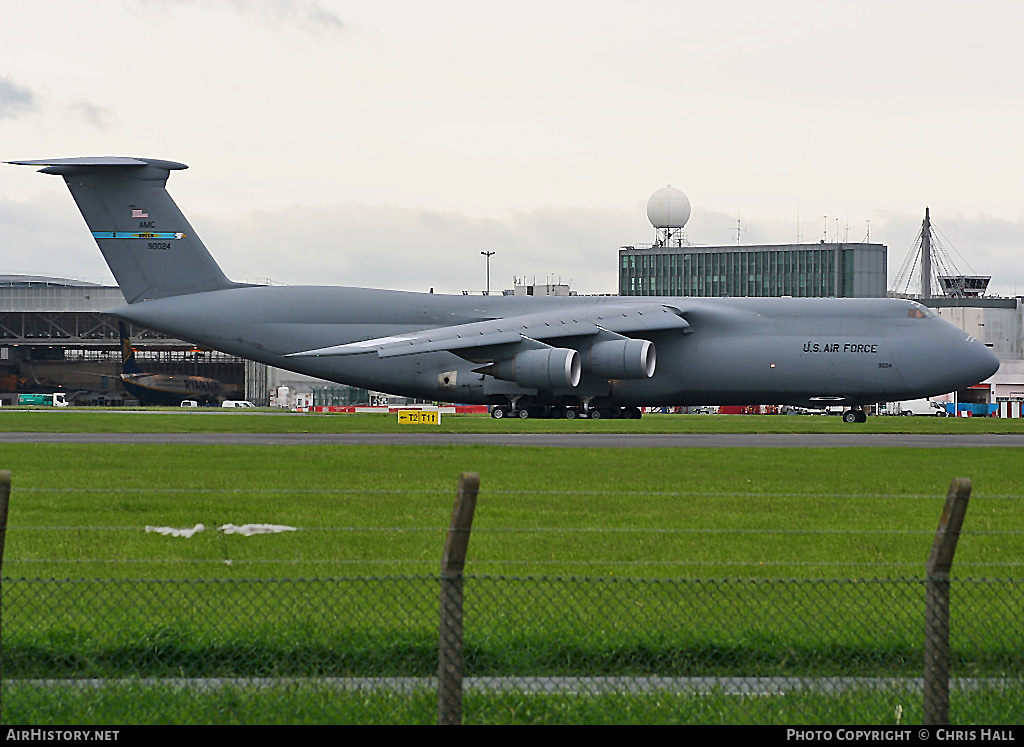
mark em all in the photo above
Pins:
pixel 128 362
pixel 145 239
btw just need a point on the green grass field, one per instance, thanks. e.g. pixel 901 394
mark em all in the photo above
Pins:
pixel 642 512
pixel 583 562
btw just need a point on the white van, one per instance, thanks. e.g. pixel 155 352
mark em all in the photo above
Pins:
pixel 237 403
pixel 189 403
pixel 916 407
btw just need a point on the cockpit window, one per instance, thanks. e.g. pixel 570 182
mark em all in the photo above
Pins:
pixel 919 312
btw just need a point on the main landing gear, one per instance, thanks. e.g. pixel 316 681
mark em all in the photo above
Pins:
pixel 570 412
pixel 854 416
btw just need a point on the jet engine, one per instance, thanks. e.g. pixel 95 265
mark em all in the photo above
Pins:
pixel 550 368
pixel 621 359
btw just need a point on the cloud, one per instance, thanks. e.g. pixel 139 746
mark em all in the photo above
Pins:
pixel 15 100
pixel 415 249
pixel 45 235
pixel 307 15
pixel 312 15
pixel 98 116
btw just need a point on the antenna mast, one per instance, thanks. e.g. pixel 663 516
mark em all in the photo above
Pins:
pixel 926 255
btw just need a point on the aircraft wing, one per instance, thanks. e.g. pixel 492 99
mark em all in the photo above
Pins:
pixel 553 324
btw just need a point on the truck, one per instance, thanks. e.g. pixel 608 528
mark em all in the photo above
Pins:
pixel 916 407
pixel 54 399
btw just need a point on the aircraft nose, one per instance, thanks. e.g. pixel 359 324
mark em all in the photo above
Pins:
pixel 970 361
pixel 978 361
pixel 946 361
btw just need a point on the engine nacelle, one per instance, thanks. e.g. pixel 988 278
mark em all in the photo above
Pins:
pixel 550 368
pixel 621 359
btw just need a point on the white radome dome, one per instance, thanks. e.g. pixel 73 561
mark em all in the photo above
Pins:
pixel 668 208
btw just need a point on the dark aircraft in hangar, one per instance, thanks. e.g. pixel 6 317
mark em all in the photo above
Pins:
pixel 164 389
pixel 525 356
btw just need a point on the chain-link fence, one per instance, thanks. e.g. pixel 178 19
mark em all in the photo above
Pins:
pixel 536 650
pixel 456 648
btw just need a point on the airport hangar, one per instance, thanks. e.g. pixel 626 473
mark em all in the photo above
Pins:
pixel 55 336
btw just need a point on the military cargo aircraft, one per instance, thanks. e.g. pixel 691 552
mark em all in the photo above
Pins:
pixel 524 356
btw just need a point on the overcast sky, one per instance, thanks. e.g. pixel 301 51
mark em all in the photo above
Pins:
pixel 387 144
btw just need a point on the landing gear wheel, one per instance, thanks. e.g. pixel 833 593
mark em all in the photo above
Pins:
pixel 862 417
pixel 523 413
pixel 498 413
pixel 855 416
pixel 595 414
pixel 570 413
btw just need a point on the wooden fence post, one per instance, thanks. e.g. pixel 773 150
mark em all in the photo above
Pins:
pixel 449 669
pixel 936 611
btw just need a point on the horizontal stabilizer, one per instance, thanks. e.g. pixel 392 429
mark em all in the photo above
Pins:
pixel 101 161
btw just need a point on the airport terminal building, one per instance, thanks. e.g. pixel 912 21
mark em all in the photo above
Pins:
pixel 760 270
pixel 671 266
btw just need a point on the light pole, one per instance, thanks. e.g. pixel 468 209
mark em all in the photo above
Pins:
pixel 488 255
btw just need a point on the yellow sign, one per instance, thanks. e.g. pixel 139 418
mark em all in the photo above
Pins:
pixel 419 417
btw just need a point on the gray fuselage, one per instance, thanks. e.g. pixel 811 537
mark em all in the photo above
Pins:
pixel 735 351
